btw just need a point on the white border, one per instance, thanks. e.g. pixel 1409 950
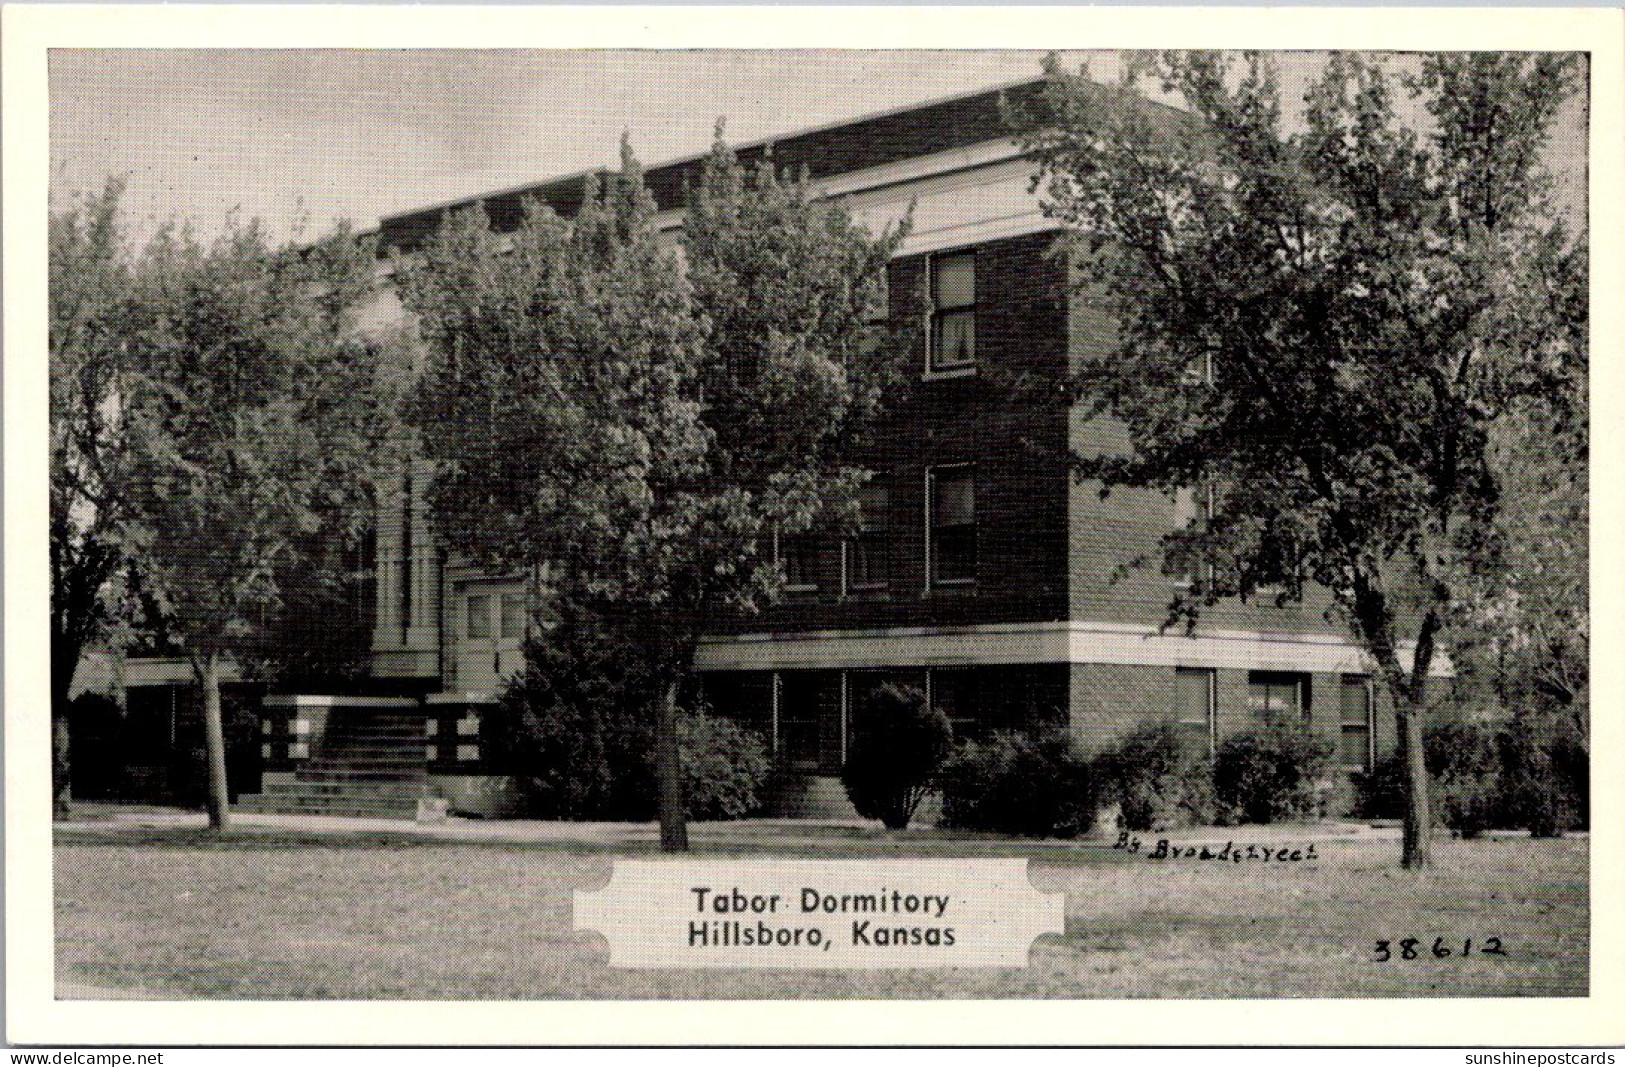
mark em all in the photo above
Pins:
pixel 32 1014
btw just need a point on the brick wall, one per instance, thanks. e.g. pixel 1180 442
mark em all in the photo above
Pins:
pixel 1021 488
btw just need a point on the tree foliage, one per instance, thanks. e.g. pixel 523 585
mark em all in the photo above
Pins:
pixel 627 421
pixel 261 416
pixel 89 300
pixel 1325 318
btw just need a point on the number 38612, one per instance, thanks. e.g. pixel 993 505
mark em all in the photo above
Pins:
pixel 1413 948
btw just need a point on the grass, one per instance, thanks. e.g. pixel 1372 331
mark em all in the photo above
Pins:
pixel 267 915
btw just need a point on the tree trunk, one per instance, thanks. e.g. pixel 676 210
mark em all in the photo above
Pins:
pixel 669 771
pixel 214 740
pixel 1418 833
pixel 62 668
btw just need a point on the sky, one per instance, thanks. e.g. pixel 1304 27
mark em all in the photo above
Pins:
pixel 321 135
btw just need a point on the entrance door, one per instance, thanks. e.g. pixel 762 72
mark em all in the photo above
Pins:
pixel 488 634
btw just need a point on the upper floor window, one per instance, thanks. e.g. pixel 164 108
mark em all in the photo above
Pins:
pixel 953 312
pixel 951 506
pixel 798 553
pixel 1193 510
pixel 868 566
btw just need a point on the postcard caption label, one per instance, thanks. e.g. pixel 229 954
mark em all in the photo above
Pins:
pixel 819 913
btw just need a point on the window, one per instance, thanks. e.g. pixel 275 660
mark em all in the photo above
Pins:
pixel 479 615
pixel 1193 508
pixel 1355 714
pixel 1193 708
pixel 405 576
pixel 798 553
pixel 513 616
pixel 951 504
pixel 810 721
pixel 953 312
pixel 957 693
pixel 1278 693
pixel 867 563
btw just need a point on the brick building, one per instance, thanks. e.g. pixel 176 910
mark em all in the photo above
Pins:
pixel 983 571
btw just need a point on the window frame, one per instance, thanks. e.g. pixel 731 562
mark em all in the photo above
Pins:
pixel 1368 725
pixel 1300 681
pixel 850 545
pixel 932 556
pixel 935 314
pixel 1198 501
pixel 1211 723
pixel 780 559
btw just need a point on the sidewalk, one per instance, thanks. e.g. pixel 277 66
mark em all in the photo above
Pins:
pixel 746 835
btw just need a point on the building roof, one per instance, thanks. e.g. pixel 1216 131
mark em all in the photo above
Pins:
pixel 857 144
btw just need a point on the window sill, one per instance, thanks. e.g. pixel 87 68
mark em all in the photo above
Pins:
pixel 945 373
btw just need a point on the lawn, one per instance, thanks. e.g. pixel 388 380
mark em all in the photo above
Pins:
pixel 279 915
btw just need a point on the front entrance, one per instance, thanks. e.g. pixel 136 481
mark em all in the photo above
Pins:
pixel 488 624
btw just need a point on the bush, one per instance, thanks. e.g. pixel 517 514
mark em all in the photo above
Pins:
pixel 1544 775
pixel 725 767
pixel 899 744
pixel 96 746
pixel 1482 777
pixel 1016 783
pixel 1270 775
pixel 1156 779
pixel 1464 765
pixel 1380 792
pixel 573 726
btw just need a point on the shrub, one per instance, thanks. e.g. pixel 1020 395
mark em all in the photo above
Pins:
pixel 1380 792
pixel 1544 775
pixel 573 727
pixel 1269 775
pixel 900 742
pixel 1483 777
pixel 96 746
pixel 1157 779
pixel 1017 783
pixel 725 766
pixel 1464 764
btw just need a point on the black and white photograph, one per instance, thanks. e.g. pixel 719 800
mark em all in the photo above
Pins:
pixel 636 524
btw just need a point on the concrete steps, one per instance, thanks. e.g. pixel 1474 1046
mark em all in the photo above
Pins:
pixel 367 764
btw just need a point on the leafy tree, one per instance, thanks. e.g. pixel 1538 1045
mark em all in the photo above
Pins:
pixel 628 426
pixel 91 445
pixel 262 416
pixel 1324 323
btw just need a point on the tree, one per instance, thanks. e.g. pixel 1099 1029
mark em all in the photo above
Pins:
pixel 93 444
pixel 1323 324
pixel 262 416
pixel 628 426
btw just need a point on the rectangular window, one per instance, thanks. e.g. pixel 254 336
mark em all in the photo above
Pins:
pixel 1193 707
pixel 1193 508
pixel 953 312
pixel 951 502
pixel 867 563
pixel 513 616
pixel 955 692
pixel 1282 694
pixel 479 615
pixel 1356 713
pixel 799 555
pixel 810 721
